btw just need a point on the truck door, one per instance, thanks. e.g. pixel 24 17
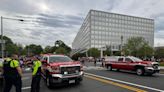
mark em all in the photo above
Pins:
pixel 120 64
pixel 129 64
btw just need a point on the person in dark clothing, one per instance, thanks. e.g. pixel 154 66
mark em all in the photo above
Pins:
pixel 12 74
pixel 95 61
pixel 36 75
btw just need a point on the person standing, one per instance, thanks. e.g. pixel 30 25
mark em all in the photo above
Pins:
pixel 36 74
pixel 95 61
pixel 12 74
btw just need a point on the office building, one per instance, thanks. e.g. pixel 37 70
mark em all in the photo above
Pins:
pixel 105 29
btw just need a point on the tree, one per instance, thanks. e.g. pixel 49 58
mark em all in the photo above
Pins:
pixel 107 52
pixel 137 46
pixel 34 49
pixel 61 50
pixel 145 51
pixel 10 47
pixel 62 44
pixel 159 52
pixel 94 52
pixel 47 49
pixel 77 55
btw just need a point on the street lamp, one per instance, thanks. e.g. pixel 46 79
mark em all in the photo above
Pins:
pixel 121 45
pixel 2 42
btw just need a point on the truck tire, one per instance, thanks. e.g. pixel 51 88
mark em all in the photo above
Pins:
pixel 140 71
pixel 109 67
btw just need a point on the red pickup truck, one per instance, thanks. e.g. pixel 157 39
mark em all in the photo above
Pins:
pixel 60 69
pixel 131 63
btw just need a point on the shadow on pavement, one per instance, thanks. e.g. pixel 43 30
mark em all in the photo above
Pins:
pixel 66 87
pixel 133 73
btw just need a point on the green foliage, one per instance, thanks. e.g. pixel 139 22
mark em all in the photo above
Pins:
pixel 58 46
pixel 61 50
pixel 107 52
pixel 34 49
pixel 159 53
pixel 117 53
pixel 11 49
pixel 77 55
pixel 94 52
pixel 47 49
pixel 62 44
pixel 137 46
pixel 145 51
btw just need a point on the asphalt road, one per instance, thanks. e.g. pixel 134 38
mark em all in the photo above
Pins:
pixel 87 85
pixel 98 79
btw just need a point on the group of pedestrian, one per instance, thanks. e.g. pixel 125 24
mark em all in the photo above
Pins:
pixel 12 73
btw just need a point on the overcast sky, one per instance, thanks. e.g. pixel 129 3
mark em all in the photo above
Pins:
pixel 51 20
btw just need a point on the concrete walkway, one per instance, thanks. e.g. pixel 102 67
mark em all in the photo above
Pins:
pixel 161 67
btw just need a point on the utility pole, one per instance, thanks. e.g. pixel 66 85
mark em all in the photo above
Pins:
pixel 2 48
pixel 2 41
pixel 121 45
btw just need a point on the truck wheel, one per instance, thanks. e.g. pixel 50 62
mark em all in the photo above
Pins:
pixel 140 71
pixel 109 67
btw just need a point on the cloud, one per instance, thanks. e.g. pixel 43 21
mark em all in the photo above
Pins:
pixel 51 20
pixel 59 21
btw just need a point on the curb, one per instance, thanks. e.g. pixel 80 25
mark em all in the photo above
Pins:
pixel 161 71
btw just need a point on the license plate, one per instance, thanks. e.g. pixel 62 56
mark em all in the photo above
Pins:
pixel 71 81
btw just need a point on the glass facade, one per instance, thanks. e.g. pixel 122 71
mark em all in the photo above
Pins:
pixel 105 29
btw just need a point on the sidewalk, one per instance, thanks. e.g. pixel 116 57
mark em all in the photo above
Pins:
pixel 161 67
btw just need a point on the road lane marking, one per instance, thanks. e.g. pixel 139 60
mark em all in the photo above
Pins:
pixel 116 84
pixel 120 81
pixel 24 88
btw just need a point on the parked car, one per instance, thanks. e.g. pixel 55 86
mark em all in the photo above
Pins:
pixel 60 69
pixel 131 63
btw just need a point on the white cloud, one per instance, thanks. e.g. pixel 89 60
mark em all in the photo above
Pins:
pixel 51 20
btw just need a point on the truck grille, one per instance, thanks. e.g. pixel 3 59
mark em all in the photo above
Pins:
pixel 155 66
pixel 70 70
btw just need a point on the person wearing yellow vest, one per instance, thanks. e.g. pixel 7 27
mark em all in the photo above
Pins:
pixel 36 74
pixel 12 74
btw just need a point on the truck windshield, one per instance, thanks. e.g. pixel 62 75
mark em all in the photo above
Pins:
pixel 60 59
pixel 136 59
